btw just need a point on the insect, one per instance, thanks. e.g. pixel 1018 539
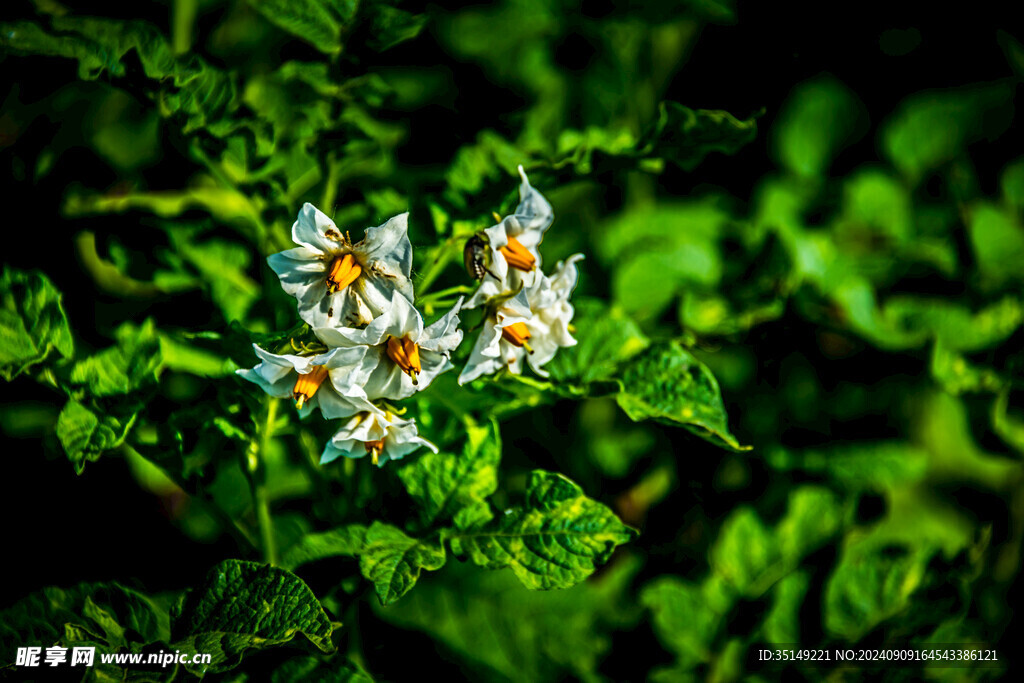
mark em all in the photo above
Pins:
pixel 477 256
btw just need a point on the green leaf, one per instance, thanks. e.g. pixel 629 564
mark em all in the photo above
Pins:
pixel 933 127
pixel 499 632
pixel 868 588
pixel 605 337
pixel 389 26
pixel 818 120
pixel 449 486
pixel 322 670
pixel 128 366
pixel 667 383
pixel 32 322
pixel 748 559
pixel 243 606
pixel 684 136
pixel 872 465
pixel 997 237
pixel 393 561
pixel 107 616
pixel 85 435
pixel 346 540
pixel 1012 182
pixel 555 540
pixel 318 22
pixel 223 266
pixel 783 623
pixel 687 616
pixel 204 97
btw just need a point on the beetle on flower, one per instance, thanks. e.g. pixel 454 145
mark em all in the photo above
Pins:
pixel 514 260
pixel 530 326
pixel 337 282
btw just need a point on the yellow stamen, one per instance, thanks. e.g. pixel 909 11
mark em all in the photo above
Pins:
pixel 308 384
pixel 343 271
pixel 497 218
pixel 518 256
pixel 375 448
pixel 516 334
pixel 406 355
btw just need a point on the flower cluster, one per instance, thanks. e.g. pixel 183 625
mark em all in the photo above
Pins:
pixel 527 313
pixel 358 300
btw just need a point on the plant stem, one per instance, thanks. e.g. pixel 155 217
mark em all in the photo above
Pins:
pixel 257 480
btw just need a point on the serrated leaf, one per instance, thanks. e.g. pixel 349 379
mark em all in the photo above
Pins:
pixel 243 606
pixel 318 22
pixel 667 383
pixel 103 615
pixel 555 540
pixel 86 435
pixel 393 561
pixel 345 541
pixel 129 365
pixel 32 322
pixel 685 136
pixel 204 97
pixel 449 486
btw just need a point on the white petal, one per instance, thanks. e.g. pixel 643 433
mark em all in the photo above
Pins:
pixel 485 357
pixel 316 230
pixel 533 216
pixel 390 244
pixel 444 334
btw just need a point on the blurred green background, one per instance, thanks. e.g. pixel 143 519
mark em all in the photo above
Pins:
pixel 831 221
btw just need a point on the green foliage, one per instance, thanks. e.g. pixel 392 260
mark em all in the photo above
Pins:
pixel 86 435
pixel 318 22
pixel 33 324
pixel 667 383
pixel 860 313
pixel 393 561
pixel 449 487
pixel 243 606
pixel 553 541
pixel 502 633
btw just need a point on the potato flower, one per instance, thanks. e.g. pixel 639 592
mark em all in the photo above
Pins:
pixel 340 283
pixel 376 433
pixel 514 258
pixel 402 356
pixel 530 326
pixel 308 380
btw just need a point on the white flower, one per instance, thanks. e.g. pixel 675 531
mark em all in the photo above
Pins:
pixel 378 434
pixel 402 356
pixel 305 380
pixel 340 283
pixel 514 257
pixel 530 326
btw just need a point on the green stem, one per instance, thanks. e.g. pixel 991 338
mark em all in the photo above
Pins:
pixel 445 252
pixel 257 480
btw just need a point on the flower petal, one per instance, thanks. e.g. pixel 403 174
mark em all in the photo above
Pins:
pixel 443 335
pixel 315 229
